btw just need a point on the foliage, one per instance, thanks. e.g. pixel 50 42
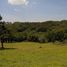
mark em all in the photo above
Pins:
pixel 49 31
pixel 0 17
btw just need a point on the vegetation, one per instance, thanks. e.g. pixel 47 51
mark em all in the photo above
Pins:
pixel 30 54
pixel 3 32
pixel 49 31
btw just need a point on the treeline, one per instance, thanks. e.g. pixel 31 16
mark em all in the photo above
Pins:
pixel 49 31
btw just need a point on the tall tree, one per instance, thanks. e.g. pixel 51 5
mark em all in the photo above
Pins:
pixel 2 31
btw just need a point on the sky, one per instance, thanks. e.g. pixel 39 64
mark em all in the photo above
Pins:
pixel 33 10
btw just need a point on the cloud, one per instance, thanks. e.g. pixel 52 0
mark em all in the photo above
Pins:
pixel 18 2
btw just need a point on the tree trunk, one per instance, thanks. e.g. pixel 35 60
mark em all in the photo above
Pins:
pixel 2 45
pixel 2 41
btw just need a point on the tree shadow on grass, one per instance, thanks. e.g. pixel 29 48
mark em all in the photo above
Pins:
pixel 8 48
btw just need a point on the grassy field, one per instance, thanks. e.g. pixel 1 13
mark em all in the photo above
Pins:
pixel 29 54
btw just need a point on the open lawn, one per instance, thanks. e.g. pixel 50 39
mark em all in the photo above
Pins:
pixel 29 54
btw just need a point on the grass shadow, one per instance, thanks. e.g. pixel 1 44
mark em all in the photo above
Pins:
pixel 8 48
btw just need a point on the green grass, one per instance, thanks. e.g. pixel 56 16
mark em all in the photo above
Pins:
pixel 29 54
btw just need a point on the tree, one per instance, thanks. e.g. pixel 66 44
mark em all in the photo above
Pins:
pixel 2 31
pixel 1 25
pixel 0 17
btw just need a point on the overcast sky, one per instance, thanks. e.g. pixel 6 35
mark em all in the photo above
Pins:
pixel 33 10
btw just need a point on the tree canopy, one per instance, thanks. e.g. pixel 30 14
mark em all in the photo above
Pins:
pixel 0 17
pixel 49 31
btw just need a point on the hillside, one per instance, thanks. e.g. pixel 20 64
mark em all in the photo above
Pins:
pixel 49 31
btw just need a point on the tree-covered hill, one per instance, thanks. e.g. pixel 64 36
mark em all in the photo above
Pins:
pixel 49 31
